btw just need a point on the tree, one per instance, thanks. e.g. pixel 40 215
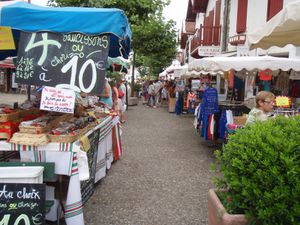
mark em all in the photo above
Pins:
pixel 154 40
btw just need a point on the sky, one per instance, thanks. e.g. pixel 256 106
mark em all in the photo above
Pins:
pixel 175 11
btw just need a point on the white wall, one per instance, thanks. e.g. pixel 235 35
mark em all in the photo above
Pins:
pixel 256 18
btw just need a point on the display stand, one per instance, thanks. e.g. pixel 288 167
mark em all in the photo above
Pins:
pixel 71 159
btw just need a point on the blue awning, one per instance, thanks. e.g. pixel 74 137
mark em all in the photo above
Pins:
pixel 22 16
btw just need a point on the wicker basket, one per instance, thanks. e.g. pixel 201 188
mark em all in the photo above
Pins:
pixel 29 139
pixel 46 129
pixel 70 138
pixel 240 120
pixel 27 112
pixel 9 117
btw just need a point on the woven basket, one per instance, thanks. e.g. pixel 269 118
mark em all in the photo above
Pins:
pixel 29 139
pixel 10 116
pixel 70 138
pixel 27 112
pixel 240 120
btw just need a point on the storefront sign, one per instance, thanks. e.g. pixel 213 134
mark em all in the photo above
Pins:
pixel 75 61
pixel 6 39
pixel 22 204
pixel 57 100
pixel 209 50
pixel 283 101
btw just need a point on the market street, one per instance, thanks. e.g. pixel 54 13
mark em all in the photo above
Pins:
pixel 162 178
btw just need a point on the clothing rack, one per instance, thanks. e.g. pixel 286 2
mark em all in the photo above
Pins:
pixel 238 108
pixel 285 112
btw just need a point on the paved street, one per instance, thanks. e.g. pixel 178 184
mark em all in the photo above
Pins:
pixel 162 178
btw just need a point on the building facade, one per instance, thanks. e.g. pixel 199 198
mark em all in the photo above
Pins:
pixel 220 27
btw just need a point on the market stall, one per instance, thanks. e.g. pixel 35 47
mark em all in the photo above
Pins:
pixel 244 77
pixel 63 51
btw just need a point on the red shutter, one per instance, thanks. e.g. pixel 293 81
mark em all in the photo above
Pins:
pixel 210 27
pixel 274 6
pixel 205 35
pixel 241 16
pixel 217 23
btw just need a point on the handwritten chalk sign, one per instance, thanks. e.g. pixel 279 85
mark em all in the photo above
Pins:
pixel 22 204
pixel 75 61
pixel 57 100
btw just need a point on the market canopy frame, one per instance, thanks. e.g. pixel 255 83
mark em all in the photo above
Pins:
pixel 281 30
pixel 249 63
pixel 23 16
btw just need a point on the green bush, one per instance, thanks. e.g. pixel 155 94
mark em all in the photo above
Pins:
pixel 260 168
pixel 137 87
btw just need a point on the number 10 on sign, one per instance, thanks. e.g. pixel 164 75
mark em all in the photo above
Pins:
pixel 72 64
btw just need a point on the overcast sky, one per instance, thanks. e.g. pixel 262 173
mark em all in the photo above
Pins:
pixel 175 11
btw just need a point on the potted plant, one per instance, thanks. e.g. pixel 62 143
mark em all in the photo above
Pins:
pixel 136 89
pixel 260 173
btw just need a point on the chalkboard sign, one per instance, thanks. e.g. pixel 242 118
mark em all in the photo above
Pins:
pixel 22 204
pixel 73 60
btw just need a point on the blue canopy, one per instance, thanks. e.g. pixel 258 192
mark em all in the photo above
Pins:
pixel 22 16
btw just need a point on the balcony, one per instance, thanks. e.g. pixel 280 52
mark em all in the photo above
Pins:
pixel 205 36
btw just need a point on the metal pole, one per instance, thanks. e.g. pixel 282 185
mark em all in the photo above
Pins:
pixel 126 95
pixel 28 92
pixel 132 77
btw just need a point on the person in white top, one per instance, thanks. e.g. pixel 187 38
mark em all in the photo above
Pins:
pixel 152 93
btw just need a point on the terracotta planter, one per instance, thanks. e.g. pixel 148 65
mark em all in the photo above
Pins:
pixel 217 214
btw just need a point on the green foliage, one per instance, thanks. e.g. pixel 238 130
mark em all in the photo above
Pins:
pixel 261 171
pixel 154 39
pixel 137 87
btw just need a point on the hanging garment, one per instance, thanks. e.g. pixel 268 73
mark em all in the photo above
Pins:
pixel 229 117
pixel 231 79
pixel 282 83
pixel 295 89
pixel 222 125
pixel 265 75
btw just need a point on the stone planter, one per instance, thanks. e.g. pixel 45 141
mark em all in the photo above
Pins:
pixel 217 214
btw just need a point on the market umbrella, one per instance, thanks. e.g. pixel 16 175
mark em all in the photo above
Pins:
pixel 22 16
pixel 282 29
pixel 248 63
pixel 117 64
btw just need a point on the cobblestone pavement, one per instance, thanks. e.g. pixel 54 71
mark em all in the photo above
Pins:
pixel 163 177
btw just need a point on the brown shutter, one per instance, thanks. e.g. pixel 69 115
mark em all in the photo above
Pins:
pixel 274 6
pixel 241 16
pixel 210 28
pixel 217 23
pixel 205 34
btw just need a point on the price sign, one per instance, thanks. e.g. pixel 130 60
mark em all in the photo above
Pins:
pixel 22 204
pixel 283 101
pixel 57 100
pixel 75 61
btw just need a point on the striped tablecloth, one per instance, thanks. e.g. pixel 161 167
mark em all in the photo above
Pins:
pixel 71 160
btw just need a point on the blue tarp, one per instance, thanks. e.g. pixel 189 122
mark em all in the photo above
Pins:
pixel 22 16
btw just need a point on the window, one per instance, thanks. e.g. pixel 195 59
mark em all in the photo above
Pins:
pixel 241 16
pixel 274 6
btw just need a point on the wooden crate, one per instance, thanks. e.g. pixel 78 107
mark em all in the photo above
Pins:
pixel 9 116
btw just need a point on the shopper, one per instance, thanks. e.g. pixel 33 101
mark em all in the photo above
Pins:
pixel 106 96
pixel 265 102
pixel 122 95
pixel 151 92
